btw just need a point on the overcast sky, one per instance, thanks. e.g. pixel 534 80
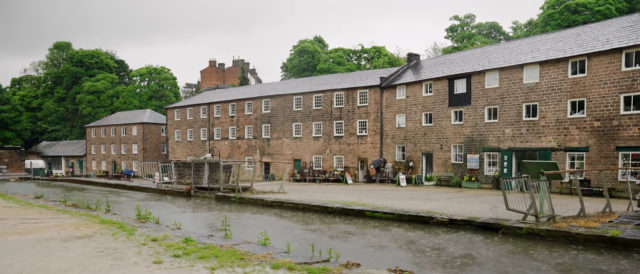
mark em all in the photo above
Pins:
pixel 183 35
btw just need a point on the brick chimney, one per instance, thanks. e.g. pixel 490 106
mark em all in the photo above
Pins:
pixel 221 66
pixel 412 57
pixel 212 63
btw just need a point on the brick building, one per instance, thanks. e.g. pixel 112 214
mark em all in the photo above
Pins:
pixel 331 120
pixel 217 74
pixel 124 139
pixel 572 96
pixel 12 157
pixel 61 156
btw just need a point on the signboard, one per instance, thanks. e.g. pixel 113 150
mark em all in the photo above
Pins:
pixel 156 177
pixel 473 161
pixel 402 180
pixel 349 180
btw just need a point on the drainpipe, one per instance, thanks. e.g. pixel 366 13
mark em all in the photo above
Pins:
pixel 144 147
pixel 381 120
pixel 209 132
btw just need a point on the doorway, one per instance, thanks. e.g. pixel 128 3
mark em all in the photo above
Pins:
pixel 267 170
pixel 81 167
pixel 427 163
pixel 362 170
pixel 297 166
pixel 113 167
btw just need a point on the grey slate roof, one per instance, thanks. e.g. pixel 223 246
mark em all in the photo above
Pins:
pixel 363 78
pixel 60 148
pixel 605 35
pixel 131 117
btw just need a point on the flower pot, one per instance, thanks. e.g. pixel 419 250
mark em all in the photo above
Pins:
pixel 470 184
pixel 429 183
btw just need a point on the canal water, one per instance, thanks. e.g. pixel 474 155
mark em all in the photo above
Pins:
pixel 373 243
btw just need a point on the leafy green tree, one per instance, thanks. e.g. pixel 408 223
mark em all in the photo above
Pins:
pixel 243 78
pixel 26 93
pixel 156 87
pixel 561 14
pixel 304 58
pixel 467 34
pixel 13 128
pixel 528 28
pixel 58 55
pixel 97 97
pixel 190 90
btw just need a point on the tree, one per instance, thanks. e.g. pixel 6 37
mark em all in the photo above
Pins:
pixel 13 128
pixel 435 50
pixel 467 34
pixel 97 97
pixel 304 58
pixel 561 14
pixel 243 78
pixel 520 30
pixel 189 90
pixel 156 87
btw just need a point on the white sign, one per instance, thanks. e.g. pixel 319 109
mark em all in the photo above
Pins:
pixel 403 180
pixel 349 180
pixel 156 177
pixel 473 161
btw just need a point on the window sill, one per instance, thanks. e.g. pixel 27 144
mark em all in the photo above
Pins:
pixel 530 119
pixel 630 112
pixel 633 68
pixel 363 105
pixel 491 121
pixel 457 123
pixel 457 162
pixel 266 112
pixel 248 113
pixel 428 94
pixel 363 135
pixel 428 125
pixel 338 107
pixel 577 76
pixel 577 116
pixel 491 87
pixel 531 82
pixel 401 98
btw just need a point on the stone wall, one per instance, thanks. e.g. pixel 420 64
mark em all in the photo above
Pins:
pixel 12 158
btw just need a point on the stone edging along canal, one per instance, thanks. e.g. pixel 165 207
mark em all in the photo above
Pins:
pixel 610 235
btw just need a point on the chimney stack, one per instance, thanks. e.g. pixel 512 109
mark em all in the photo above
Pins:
pixel 221 66
pixel 412 57
pixel 212 63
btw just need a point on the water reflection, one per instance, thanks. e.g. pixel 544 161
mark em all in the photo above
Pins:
pixel 374 243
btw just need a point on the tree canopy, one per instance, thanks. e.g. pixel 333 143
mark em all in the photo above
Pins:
pixel 312 57
pixel 467 34
pixel 55 97
pixel 243 79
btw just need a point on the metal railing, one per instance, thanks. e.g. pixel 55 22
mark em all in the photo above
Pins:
pixel 159 173
pixel 529 197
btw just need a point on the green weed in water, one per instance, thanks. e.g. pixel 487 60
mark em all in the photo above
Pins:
pixel 38 195
pixel 264 239
pixel 313 249
pixel 226 227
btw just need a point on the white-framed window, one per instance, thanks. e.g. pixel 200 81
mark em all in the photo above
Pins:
pixel 93 149
pixel 630 103
pixel 427 88
pixel 249 163
pixel 177 136
pixel 531 73
pixel 427 118
pixel 103 132
pixel 530 111
pixel 401 153
pixel 123 149
pixel 134 148
pixel 363 127
pixel 338 99
pixel 577 108
pixel 124 131
pixel 232 109
pixel 492 79
pixel 93 132
pixel 217 110
pixel 317 162
pixel 338 162
pixel 297 102
pixel 217 133
pixel 297 129
pixel 113 131
pixel 491 163
pixel 317 101
pixel 248 132
pixel 575 160
pixel 163 148
pixel 189 113
pixel 363 97
pixel 189 134
pixel 94 165
pixel 460 86
pixel 124 165
pixel 266 131
pixel 203 134
pixel 248 107
pixel 629 159
pixel 176 114
pixel 104 165
pixel 401 92
pixel 401 120
pixel 134 165
pixel 457 154
pixel 578 67
pixel 338 128
pixel 203 112
pixel 103 149
pixel 491 114
pixel 317 129
pixel 113 149
pixel 163 130
pixel 134 130
pixel 266 105
pixel 631 59
pixel 457 116
pixel 232 133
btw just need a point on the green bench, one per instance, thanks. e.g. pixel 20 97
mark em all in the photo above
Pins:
pixel 445 179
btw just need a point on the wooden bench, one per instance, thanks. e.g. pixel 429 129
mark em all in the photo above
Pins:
pixel 445 178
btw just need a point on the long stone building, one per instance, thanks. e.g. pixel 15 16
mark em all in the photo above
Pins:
pixel 572 96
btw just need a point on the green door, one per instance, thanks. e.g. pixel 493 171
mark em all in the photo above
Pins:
pixel 506 164
pixel 113 167
pixel 544 155
pixel 81 167
pixel 73 168
pixel 297 165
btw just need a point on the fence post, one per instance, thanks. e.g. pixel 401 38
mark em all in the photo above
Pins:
pixel 605 190
pixel 630 206
pixel 527 180
pixel 548 196
pixel 576 183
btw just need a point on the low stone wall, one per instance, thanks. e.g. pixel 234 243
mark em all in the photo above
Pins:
pixel 184 173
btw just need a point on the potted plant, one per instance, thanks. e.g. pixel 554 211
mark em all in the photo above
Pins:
pixel 495 180
pixel 470 182
pixel 456 182
pixel 430 179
